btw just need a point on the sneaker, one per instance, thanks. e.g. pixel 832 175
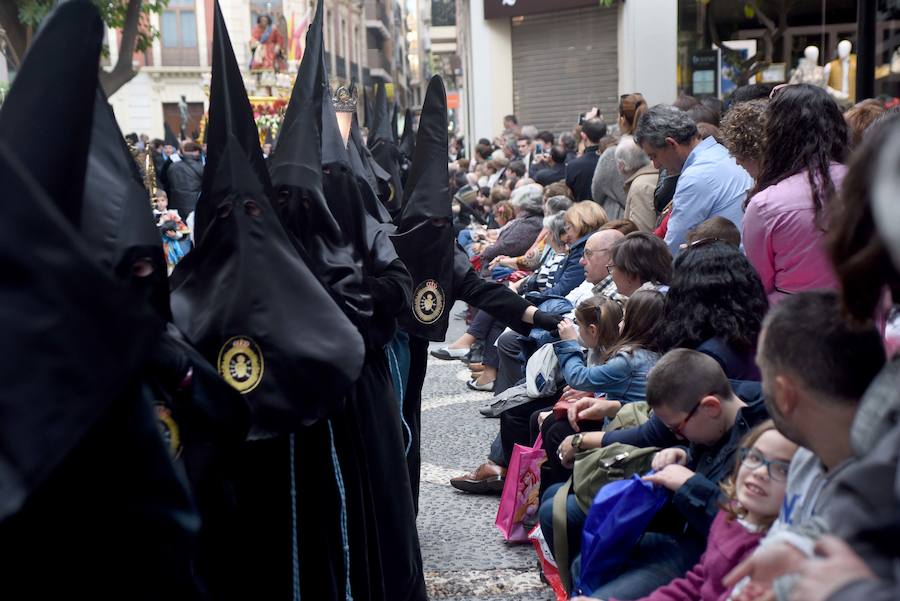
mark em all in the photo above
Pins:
pixel 450 354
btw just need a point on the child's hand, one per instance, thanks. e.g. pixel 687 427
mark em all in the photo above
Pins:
pixel 672 476
pixel 567 330
pixel 668 457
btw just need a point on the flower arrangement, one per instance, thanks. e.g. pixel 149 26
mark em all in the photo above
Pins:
pixel 268 118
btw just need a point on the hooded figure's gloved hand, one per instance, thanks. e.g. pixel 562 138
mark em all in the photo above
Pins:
pixel 547 321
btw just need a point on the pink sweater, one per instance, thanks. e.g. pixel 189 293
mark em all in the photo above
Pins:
pixel 729 543
pixel 783 240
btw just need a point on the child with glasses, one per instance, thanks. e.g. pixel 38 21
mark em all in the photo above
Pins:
pixel 752 499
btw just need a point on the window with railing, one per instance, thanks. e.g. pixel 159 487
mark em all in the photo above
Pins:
pixel 178 34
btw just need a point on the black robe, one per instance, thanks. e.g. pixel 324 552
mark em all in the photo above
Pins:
pixel 495 299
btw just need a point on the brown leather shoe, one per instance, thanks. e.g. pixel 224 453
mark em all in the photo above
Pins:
pixel 487 479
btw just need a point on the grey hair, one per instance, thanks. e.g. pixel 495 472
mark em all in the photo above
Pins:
pixel 664 121
pixel 529 131
pixel 556 224
pixel 529 199
pixel 630 156
pixel 555 204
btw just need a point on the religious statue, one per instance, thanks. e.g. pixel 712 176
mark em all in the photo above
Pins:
pixel 840 74
pixel 808 69
pixel 266 46
pixel 185 115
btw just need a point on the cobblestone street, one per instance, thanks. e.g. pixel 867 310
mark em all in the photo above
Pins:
pixel 464 554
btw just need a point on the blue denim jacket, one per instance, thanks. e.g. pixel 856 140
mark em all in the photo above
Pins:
pixel 623 378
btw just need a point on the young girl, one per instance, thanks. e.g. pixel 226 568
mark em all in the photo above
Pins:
pixel 621 372
pixel 753 497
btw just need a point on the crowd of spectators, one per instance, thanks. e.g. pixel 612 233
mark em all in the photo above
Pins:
pixel 722 268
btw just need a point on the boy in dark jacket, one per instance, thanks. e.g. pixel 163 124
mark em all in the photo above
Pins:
pixel 692 398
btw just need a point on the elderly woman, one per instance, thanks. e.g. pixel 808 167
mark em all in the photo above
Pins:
pixel 520 233
pixel 641 178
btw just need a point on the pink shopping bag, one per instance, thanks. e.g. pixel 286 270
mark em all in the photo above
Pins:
pixel 521 491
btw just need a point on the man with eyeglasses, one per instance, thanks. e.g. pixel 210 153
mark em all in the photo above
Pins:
pixel 694 400
pixel 815 368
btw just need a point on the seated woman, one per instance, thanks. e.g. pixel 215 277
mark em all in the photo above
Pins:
pixel 485 329
pixel 620 375
pixel 581 220
pixel 533 257
pixel 716 305
pixel 752 499
pixel 520 233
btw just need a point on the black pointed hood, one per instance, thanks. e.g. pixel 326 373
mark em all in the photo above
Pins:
pixel 79 338
pixel 231 131
pixel 46 116
pixel 373 204
pixel 169 137
pixel 367 104
pixel 408 137
pixel 381 119
pixel 297 161
pixel 427 188
pixel 425 240
pixel 394 117
pixel 116 213
pixel 245 296
pixel 384 151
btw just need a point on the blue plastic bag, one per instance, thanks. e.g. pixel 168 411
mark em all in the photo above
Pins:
pixel 617 519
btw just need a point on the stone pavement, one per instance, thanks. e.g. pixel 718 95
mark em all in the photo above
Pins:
pixel 465 556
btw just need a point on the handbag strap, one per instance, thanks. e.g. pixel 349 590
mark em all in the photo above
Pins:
pixel 561 534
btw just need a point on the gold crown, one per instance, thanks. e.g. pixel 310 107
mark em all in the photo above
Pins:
pixel 344 99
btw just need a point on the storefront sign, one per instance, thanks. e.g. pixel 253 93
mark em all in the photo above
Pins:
pixel 704 72
pixel 498 9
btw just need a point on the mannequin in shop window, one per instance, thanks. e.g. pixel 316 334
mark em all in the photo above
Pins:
pixel 840 74
pixel 808 69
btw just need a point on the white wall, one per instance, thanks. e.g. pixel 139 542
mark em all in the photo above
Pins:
pixel 648 49
pixel 489 75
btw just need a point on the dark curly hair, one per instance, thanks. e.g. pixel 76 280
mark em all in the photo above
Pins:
pixel 715 292
pixel 805 130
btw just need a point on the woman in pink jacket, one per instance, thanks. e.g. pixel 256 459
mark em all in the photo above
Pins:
pixel 785 220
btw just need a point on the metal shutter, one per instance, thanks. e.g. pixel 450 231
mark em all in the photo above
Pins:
pixel 563 64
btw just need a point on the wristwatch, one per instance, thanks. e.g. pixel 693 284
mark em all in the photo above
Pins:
pixel 576 441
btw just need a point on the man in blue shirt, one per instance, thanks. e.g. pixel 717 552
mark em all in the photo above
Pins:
pixel 711 184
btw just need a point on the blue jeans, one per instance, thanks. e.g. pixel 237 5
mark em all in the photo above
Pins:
pixel 656 560
pixel 574 520
pixel 465 240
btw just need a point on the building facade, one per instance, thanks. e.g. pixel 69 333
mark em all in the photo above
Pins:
pixel 547 62
pixel 365 43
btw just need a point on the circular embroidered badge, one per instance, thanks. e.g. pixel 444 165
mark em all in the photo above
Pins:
pixel 168 427
pixel 241 363
pixel 428 302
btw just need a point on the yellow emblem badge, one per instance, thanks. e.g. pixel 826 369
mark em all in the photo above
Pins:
pixel 428 302
pixel 241 363
pixel 168 427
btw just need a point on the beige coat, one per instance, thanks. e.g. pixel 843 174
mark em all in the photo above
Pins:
pixel 639 189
